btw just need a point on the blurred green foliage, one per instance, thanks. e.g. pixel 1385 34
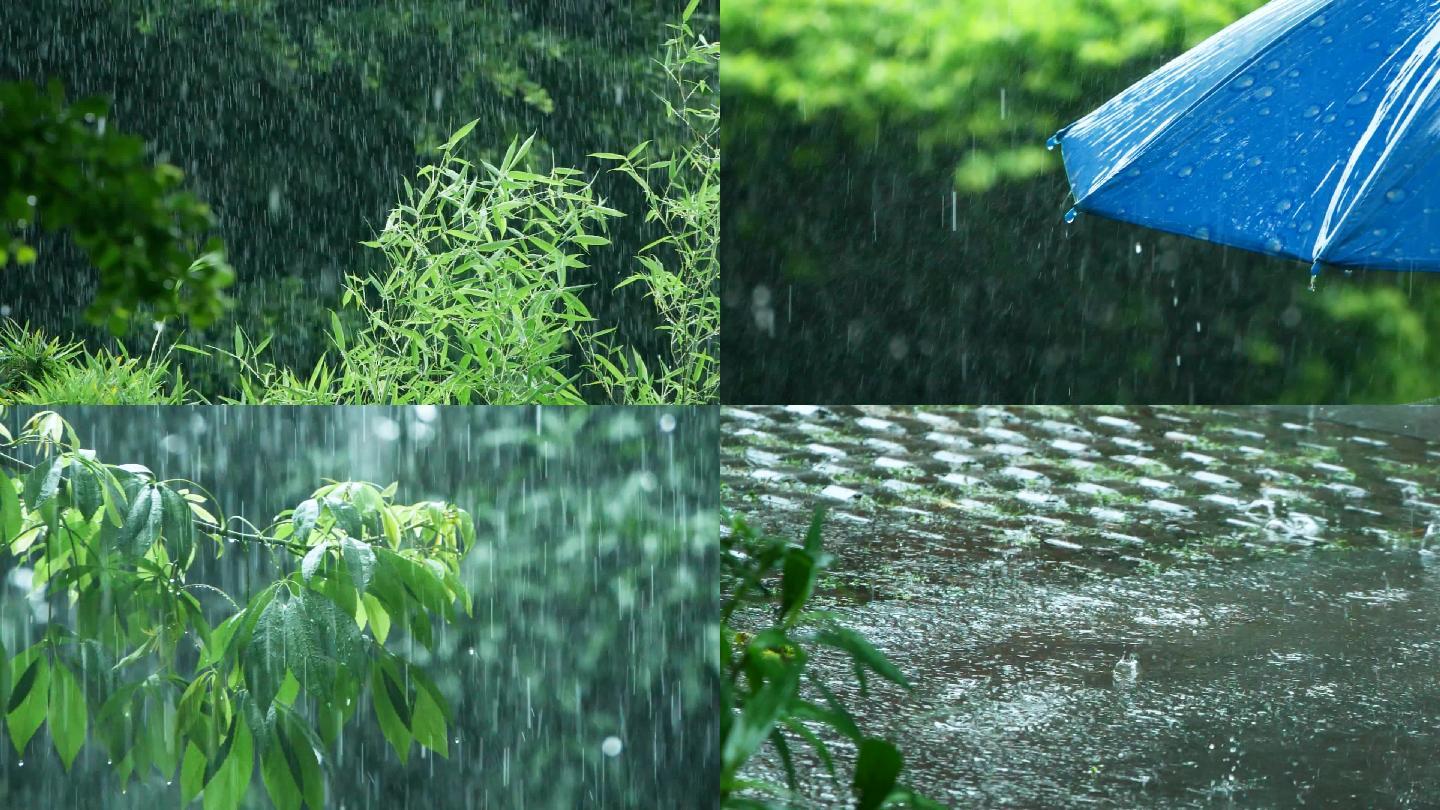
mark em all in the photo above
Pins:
pixel 854 123
pixel 945 73
pixel 61 168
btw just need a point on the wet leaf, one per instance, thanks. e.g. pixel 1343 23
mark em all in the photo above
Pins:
pixel 876 769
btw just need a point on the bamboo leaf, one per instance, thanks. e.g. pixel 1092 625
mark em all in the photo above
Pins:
pixel 459 136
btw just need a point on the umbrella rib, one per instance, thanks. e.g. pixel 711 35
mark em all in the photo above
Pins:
pixel 1215 88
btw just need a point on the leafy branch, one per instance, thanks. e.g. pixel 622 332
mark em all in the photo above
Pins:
pixel 144 673
pixel 769 695
pixel 681 269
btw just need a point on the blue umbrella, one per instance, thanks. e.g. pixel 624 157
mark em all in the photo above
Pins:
pixel 1309 129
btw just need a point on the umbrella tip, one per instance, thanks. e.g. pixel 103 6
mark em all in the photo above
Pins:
pixel 1055 139
pixel 1071 216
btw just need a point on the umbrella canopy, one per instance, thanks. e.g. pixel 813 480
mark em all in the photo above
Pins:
pixel 1309 129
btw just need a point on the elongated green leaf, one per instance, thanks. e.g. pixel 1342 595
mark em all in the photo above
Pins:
pixel 300 746
pixel 798 582
pixel 266 655
pixel 280 781
pixel 142 521
pixel 226 789
pixel 43 482
pixel 876 770
pixel 428 724
pixel 192 773
pixel 391 711
pixel 85 489
pixel 10 517
pixel 378 617
pixel 459 135
pixel 69 718
pixel 861 651
pixel 359 561
pixel 29 698
pixel 177 525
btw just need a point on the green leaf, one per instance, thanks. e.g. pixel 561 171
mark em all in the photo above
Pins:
pixel 798 582
pixel 391 710
pixel 459 135
pixel 359 560
pixel 314 559
pixel 85 490
pixel 303 519
pixel 428 724
pixel 10 517
pixel 280 780
pixel 43 482
pixel 308 636
pixel 226 789
pixel 177 525
pixel 266 655
pixel 346 516
pixel 378 617
pixel 876 770
pixel 68 716
pixel 142 521
pixel 769 702
pixel 29 698
pixel 192 773
pixel 300 744
pixel 861 651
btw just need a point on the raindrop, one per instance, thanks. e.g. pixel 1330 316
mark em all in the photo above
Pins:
pixel 1071 216
pixel 1358 99
pixel 1396 195
pixel 1311 111
pixel 611 747
pixel 30 201
pixel 1186 171
pixel 1265 92
pixel 667 423
pixel 1243 83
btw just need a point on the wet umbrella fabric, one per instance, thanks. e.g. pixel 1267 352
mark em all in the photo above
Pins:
pixel 1309 129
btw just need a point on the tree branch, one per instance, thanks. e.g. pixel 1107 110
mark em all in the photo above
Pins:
pixel 213 528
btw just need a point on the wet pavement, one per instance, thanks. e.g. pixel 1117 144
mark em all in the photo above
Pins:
pixel 1264 571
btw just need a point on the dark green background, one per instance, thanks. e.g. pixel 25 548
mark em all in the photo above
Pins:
pixel 298 120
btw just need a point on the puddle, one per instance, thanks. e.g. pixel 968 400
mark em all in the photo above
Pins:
pixel 1285 631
